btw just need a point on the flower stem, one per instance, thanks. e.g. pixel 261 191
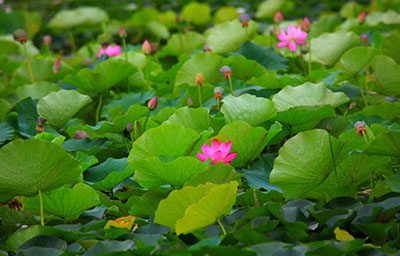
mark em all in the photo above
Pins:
pixel 230 85
pixel 145 122
pixel 309 58
pixel 218 105
pixel 41 208
pixel 361 91
pixel 221 226
pixel 333 159
pixel 28 62
pixel 99 108
pixel 199 92
pixel 256 201
pixel 147 71
pixel 126 58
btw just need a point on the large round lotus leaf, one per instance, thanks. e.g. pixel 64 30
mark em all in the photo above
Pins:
pixel 225 13
pixel 329 47
pixel 191 208
pixel 308 94
pixel 27 166
pixel 8 46
pixel 196 13
pixel 166 142
pixel 194 118
pixel 207 63
pixel 68 203
pixel 268 8
pixel 42 70
pixel 136 58
pixel 391 46
pixel 247 141
pixel 37 90
pixel 151 172
pixel 387 74
pixel 351 63
pixel 388 18
pixel 386 144
pixel 59 107
pixel 104 76
pixel 81 17
pixel 158 29
pixel 185 43
pixel 229 36
pixel 249 108
pixel 243 68
pixel 304 163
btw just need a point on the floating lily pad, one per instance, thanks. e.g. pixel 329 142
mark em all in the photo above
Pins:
pixel 59 107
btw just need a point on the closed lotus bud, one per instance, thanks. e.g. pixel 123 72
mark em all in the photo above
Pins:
pixel 129 127
pixel 206 48
pixel 305 25
pixel 122 32
pixel 56 66
pixel 47 40
pixel 328 127
pixel 80 135
pixel 146 47
pixel 361 128
pixel 20 36
pixel 351 106
pixel 41 120
pixel 218 93
pixel 364 38
pixel 244 19
pixel 226 71
pixel 199 79
pixel 361 17
pixel 278 17
pixel 190 102
pixel 152 104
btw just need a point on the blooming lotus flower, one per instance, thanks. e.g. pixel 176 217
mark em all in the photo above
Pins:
pixel 295 36
pixel 218 152
pixel 146 47
pixel 110 51
pixel 278 17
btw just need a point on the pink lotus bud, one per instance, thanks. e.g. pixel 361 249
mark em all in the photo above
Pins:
pixel 129 127
pixel 206 48
pixel 47 40
pixel 351 106
pixel 56 66
pixel 361 17
pixel 146 47
pixel 190 102
pixel 305 25
pixel 328 127
pixel 152 104
pixel 122 32
pixel 20 36
pixel 364 38
pixel 81 135
pixel 278 17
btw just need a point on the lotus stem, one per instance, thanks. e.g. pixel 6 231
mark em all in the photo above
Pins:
pixel 333 159
pixel 309 58
pixel 28 62
pixel 230 85
pixel 147 72
pixel 361 91
pixel 218 105
pixel 126 58
pixel 41 208
pixel 256 200
pixel 99 108
pixel 199 92
pixel 221 226
pixel 145 122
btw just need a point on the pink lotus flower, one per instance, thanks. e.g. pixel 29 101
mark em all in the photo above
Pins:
pixel 146 47
pixel 295 36
pixel 217 152
pixel 278 17
pixel 110 51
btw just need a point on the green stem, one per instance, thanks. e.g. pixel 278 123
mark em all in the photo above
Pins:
pixel 221 226
pixel 309 58
pixel 218 105
pixel 256 201
pixel 365 137
pixel 361 91
pixel 230 85
pixel 99 108
pixel 199 92
pixel 147 71
pixel 28 62
pixel 125 49
pixel 333 159
pixel 72 40
pixel 41 209
pixel 145 122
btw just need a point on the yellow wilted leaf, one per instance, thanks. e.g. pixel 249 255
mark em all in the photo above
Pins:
pixel 342 235
pixel 121 222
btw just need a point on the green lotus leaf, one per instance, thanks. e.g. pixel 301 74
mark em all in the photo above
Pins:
pixel 166 142
pixel 329 47
pixel 151 172
pixel 59 107
pixel 386 143
pixel 351 63
pixel 229 36
pixel 304 163
pixel 68 203
pixel 275 81
pixel 207 63
pixel 249 108
pixel 5 107
pixel 84 17
pixel 185 43
pixel 158 29
pixel 42 70
pixel 268 8
pixel 243 68
pixel 29 166
pixel 8 46
pixel 6 132
pixel 388 18
pixel 226 13
pixel 386 74
pixel 194 118
pixel 308 94
pixel 247 141
pixel 146 204
pixel 210 201
pixel 219 173
pixel 391 46
pixel 136 58
pixel 196 13
pixel 104 76
pixel 37 90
